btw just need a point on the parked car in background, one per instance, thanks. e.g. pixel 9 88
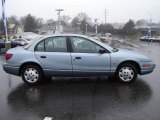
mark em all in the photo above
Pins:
pixel 2 45
pixel 150 38
pixel 76 56
pixel 108 35
pixel 13 43
pixel 107 38
pixel 22 41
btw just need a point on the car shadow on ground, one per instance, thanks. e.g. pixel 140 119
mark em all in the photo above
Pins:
pixel 83 98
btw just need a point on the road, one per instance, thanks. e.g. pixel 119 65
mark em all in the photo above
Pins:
pixel 84 98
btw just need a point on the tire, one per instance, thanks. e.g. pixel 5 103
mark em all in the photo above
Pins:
pixel 126 73
pixel 32 75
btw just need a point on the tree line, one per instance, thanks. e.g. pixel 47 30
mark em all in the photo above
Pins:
pixel 31 23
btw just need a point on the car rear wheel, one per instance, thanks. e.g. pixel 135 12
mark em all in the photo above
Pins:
pixel 32 75
pixel 126 73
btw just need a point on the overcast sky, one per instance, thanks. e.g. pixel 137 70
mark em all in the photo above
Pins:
pixel 118 10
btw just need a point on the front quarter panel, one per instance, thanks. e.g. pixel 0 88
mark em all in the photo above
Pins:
pixel 117 59
pixel 122 56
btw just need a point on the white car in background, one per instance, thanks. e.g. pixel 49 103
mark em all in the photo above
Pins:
pixel 107 38
pixel 22 41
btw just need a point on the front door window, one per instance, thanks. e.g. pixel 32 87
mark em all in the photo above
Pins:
pixel 82 45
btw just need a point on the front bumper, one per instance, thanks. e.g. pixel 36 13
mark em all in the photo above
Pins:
pixel 147 67
pixel 11 69
pixel 143 72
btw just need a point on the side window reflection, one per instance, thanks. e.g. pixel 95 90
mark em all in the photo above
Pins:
pixel 82 45
pixel 52 44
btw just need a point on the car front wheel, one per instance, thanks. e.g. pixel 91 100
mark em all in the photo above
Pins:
pixel 126 73
pixel 32 75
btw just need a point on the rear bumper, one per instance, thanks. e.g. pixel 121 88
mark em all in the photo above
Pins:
pixel 11 69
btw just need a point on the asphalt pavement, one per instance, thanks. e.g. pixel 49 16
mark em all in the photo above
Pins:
pixel 84 98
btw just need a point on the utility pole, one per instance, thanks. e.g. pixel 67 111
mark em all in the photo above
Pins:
pixel 79 27
pixel 96 27
pixel 105 16
pixel 150 28
pixel 86 28
pixel 59 27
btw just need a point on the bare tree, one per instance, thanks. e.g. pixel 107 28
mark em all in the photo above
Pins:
pixel 74 22
pixel 83 16
pixel 141 22
pixel 13 20
pixel 65 19
pixel 39 22
pixel 50 22
pixel 83 19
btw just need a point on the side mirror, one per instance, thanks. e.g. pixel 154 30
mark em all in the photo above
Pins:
pixel 101 50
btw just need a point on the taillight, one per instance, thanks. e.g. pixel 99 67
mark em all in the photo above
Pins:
pixel 8 56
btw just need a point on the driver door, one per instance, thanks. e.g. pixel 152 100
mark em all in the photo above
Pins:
pixel 86 58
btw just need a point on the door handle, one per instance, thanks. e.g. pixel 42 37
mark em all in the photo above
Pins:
pixel 43 56
pixel 77 57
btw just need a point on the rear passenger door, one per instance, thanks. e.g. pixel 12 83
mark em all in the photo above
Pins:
pixel 53 54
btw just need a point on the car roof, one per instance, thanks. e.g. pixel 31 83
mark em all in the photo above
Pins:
pixel 54 35
pixel 61 35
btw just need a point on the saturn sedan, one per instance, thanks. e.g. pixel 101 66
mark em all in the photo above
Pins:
pixel 70 55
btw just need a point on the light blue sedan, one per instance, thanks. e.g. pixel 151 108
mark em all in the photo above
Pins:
pixel 74 56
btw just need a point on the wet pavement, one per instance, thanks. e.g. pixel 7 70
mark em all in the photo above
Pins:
pixel 83 98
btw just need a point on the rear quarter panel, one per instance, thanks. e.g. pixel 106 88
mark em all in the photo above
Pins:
pixel 21 56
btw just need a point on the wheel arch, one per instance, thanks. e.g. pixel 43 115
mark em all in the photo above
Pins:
pixel 29 63
pixel 134 63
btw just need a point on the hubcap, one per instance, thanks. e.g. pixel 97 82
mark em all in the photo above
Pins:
pixel 31 75
pixel 126 73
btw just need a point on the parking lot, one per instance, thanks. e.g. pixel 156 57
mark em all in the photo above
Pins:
pixel 83 98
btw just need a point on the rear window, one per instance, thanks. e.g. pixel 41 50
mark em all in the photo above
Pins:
pixel 52 44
